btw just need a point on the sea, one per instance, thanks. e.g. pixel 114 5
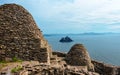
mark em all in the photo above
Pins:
pixel 101 47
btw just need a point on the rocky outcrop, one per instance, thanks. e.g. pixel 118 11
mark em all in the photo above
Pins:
pixel 106 69
pixel 20 37
pixel 65 39
pixel 59 54
pixel 35 68
pixel 78 56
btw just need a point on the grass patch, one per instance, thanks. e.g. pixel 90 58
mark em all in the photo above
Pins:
pixel 2 64
pixel 15 59
pixel 16 69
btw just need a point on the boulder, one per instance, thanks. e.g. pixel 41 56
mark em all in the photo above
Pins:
pixel 105 69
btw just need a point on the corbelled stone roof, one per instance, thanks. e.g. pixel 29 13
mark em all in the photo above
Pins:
pixel 78 56
pixel 19 35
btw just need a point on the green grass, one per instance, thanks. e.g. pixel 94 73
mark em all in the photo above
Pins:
pixel 15 59
pixel 2 64
pixel 16 69
pixel 5 63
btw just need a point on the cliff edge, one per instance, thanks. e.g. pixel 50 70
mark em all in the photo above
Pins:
pixel 20 38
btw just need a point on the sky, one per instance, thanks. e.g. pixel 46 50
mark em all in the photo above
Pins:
pixel 73 16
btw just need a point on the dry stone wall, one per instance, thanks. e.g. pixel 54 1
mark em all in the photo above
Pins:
pixel 78 56
pixel 20 37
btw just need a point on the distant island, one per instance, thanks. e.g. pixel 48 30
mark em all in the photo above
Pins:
pixel 24 50
pixel 86 33
pixel 65 39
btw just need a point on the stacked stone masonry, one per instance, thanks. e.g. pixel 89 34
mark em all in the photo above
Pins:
pixel 19 35
pixel 21 38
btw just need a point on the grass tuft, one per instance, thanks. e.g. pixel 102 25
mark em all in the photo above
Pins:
pixel 16 69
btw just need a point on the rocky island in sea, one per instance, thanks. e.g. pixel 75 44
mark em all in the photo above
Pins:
pixel 65 39
pixel 24 51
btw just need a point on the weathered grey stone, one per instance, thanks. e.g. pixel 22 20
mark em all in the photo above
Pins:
pixel 20 37
pixel 59 54
pixel 78 56
pixel 106 69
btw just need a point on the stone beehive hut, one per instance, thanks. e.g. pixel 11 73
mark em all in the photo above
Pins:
pixel 19 35
pixel 78 56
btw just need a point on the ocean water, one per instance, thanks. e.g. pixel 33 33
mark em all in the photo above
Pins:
pixel 104 48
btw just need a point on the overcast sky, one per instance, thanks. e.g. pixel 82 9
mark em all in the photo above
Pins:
pixel 73 16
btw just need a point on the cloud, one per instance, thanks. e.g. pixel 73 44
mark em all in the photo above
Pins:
pixel 81 15
pixel 114 28
pixel 108 12
pixel 83 11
